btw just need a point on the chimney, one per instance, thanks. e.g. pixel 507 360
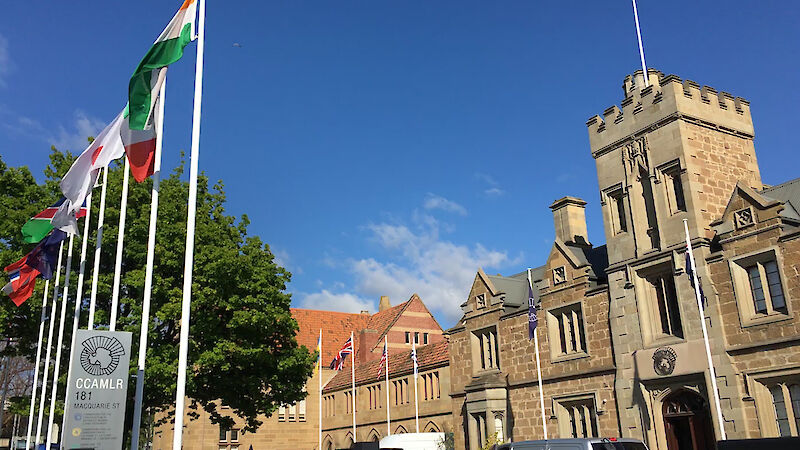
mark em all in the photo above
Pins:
pixel 364 312
pixel 569 218
pixel 384 303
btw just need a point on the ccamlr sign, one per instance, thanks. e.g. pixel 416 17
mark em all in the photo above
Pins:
pixel 96 391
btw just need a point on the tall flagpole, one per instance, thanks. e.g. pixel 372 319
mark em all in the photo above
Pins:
pixel 353 370
pixel 538 366
pixel 98 244
pixel 38 361
pixel 416 399
pixel 49 344
pixel 123 212
pixel 319 363
pixel 148 272
pixel 388 415
pixel 183 352
pixel 641 48
pixel 712 372
pixel 59 344
pixel 78 299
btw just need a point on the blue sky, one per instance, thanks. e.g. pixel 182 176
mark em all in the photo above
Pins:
pixel 386 147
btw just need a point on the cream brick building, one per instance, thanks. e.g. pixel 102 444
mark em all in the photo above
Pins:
pixel 621 344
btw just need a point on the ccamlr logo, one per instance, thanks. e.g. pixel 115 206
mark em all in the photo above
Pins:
pixel 100 355
pixel 664 361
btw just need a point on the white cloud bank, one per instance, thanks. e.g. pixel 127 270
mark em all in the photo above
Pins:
pixel 433 201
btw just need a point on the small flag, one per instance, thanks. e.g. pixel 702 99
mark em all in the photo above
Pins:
pixel 39 225
pixel 149 74
pixel 44 256
pixel 140 146
pixel 533 319
pixel 414 358
pixel 384 359
pixel 347 349
pixel 318 364
pixel 22 280
pixel 690 274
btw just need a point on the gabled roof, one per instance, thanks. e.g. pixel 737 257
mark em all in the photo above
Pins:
pixel 400 364
pixel 383 320
pixel 789 194
pixel 336 328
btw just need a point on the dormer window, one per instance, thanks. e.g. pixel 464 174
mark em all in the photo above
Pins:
pixel 480 301
pixel 559 275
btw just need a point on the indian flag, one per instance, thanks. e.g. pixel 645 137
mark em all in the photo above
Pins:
pixel 148 76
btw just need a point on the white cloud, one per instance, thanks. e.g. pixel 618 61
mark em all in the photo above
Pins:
pixel 433 201
pixel 72 137
pixel 283 259
pixel 494 192
pixel 5 61
pixel 329 301
pixel 493 189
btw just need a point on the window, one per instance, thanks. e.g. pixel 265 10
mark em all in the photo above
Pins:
pixel 759 288
pixel 374 396
pixel 408 337
pixel 416 337
pixel 223 434
pixel 559 275
pixel 301 411
pixel 674 187
pixel 479 419
pixel 566 330
pixel 234 435
pixel 616 203
pixel 577 417
pixel 480 301
pixel 430 386
pixel 485 348
pixel 328 406
pixel 498 427
pixel 663 290
pixel 281 413
pixel 781 402
pixel 400 391
pixel 425 338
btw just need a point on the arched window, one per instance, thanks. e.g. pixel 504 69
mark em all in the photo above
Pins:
pixel 431 428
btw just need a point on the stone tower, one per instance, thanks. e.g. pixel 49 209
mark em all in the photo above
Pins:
pixel 673 151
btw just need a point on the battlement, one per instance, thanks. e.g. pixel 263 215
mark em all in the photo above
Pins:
pixel 667 98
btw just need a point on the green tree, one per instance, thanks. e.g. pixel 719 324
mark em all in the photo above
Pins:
pixel 242 352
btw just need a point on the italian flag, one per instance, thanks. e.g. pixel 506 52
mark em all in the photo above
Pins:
pixel 140 145
pixel 148 76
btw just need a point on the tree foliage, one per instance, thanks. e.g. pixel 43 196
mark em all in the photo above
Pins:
pixel 242 352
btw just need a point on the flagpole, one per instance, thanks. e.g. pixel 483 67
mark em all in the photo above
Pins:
pixel 538 365
pixel 123 212
pixel 98 244
pixel 49 346
pixel 388 415
pixel 38 362
pixel 60 342
pixel 148 273
pixel 416 399
pixel 712 372
pixel 319 364
pixel 641 48
pixel 78 296
pixel 183 352
pixel 353 370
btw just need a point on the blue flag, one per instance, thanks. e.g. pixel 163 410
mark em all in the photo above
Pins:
pixel 44 256
pixel 690 274
pixel 533 319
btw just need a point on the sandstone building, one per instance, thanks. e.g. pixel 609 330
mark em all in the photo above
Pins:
pixel 621 345
pixel 296 427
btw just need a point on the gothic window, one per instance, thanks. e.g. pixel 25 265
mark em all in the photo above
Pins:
pixel 616 204
pixel 786 406
pixel 485 342
pixel 673 185
pixel 566 330
pixel 759 288
pixel 577 416
pixel 665 299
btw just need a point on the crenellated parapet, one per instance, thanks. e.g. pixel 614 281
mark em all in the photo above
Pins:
pixel 665 99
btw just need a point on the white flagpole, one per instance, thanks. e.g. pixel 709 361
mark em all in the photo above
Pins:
pixel 538 366
pixel 148 273
pixel 388 415
pixel 712 372
pixel 416 399
pixel 78 299
pixel 60 342
pixel 319 447
pixel 98 244
pixel 641 48
pixel 38 361
pixel 183 352
pixel 49 345
pixel 123 212
pixel 353 370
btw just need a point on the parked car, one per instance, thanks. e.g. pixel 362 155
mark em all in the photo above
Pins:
pixel 577 444
pixel 412 441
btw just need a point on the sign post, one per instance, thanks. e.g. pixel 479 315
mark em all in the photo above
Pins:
pixel 97 390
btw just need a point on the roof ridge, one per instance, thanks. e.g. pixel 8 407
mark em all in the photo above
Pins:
pixel 785 183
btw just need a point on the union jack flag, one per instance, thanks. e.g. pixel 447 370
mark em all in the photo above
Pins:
pixel 347 349
pixel 384 360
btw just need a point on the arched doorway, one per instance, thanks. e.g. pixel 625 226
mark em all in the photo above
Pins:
pixel 687 421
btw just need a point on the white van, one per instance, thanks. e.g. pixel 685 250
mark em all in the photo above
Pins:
pixel 412 441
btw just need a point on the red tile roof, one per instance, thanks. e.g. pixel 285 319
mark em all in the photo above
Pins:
pixel 336 328
pixel 428 357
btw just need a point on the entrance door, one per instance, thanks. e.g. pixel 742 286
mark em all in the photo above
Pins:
pixel 687 422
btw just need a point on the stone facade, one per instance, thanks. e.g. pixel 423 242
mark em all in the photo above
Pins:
pixel 621 346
